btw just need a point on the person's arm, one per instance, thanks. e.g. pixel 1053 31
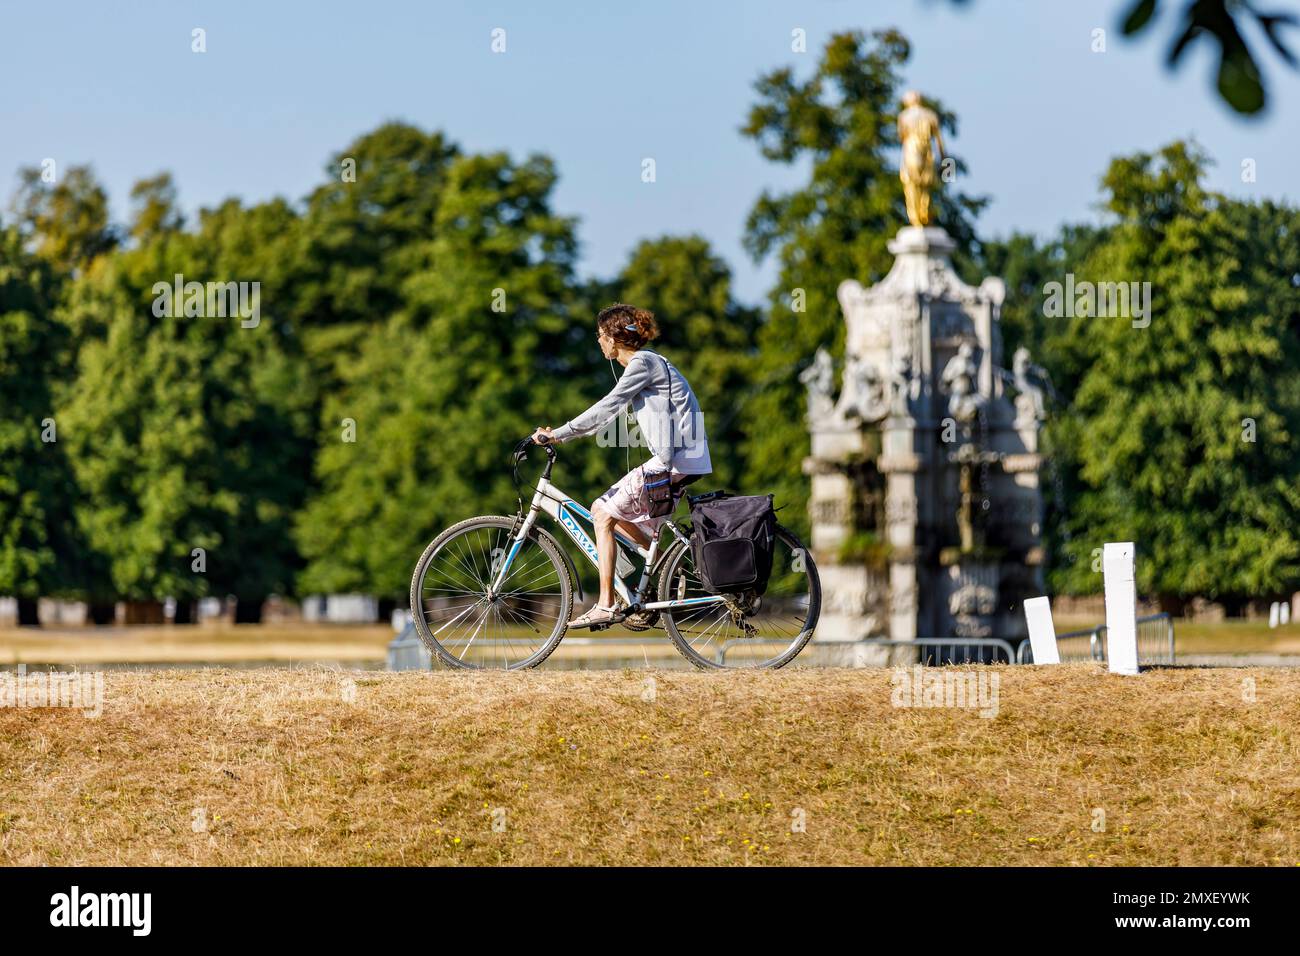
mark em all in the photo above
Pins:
pixel 635 377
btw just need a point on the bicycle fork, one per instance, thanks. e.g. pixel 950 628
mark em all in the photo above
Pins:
pixel 516 542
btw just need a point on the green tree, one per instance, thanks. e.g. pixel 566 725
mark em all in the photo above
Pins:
pixel 1182 434
pixel 268 409
pixel 361 239
pixel 187 429
pixel 154 208
pixel 843 120
pixel 1027 264
pixel 35 492
pixel 480 353
pixel 67 220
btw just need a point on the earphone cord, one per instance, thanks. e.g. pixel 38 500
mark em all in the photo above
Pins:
pixel 627 452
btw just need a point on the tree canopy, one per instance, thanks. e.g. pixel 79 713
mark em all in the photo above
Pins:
pixel 394 331
pixel 1182 433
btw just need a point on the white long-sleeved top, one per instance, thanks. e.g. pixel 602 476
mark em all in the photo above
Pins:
pixel 672 428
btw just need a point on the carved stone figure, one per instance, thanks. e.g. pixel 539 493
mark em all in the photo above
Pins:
pixel 973 598
pixel 819 377
pixel 863 395
pixel 959 381
pixel 1029 401
pixel 901 386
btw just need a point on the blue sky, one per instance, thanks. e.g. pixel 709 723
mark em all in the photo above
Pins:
pixel 598 86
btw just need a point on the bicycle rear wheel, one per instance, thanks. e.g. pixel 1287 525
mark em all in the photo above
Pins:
pixel 516 628
pixel 748 631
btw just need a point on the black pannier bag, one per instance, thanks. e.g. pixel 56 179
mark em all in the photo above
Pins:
pixel 732 538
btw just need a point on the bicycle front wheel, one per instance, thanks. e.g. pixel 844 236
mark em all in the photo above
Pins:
pixel 464 625
pixel 748 630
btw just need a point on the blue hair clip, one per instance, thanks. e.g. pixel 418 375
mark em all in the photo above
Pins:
pixel 630 328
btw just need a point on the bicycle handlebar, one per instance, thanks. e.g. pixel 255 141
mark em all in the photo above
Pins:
pixel 521 454
pixel 521 449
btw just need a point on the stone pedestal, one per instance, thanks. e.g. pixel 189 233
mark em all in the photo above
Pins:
pixel 926 506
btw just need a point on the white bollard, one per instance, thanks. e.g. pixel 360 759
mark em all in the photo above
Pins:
pixel 1042 632
pixel 1284 614
pixel 1121 607
pixel 1274 614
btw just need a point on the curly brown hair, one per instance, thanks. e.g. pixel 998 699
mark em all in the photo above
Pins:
pixel 627 325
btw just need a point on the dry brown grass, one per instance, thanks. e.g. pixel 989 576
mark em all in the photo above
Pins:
pixel 221 643
pixel 217 643
pixel 710 771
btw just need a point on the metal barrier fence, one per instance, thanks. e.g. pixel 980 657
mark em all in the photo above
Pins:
pixel 407 651
pixel 1155 643
pixel 1155 635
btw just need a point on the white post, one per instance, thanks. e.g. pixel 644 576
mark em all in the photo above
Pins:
pixel 1284 614
pixel 1273 614
pixel 1042 633
pixel 1121 607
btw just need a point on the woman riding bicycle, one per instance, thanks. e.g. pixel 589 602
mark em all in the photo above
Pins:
pixel 670 423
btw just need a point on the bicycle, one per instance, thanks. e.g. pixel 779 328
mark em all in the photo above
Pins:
pixel 485 584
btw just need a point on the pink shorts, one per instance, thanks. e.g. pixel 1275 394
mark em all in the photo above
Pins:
pixel 628 500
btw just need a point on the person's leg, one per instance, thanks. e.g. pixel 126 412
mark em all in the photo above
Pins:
pixel 636 532
pixel 606 551
pixel 604 521
pixel 605 517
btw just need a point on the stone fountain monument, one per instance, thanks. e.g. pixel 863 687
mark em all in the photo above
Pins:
pixel 926 509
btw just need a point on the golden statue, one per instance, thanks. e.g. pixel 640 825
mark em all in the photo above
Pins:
pixel 917 125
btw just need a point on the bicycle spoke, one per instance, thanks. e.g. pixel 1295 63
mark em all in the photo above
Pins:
pixel 468 624
pixel 773 629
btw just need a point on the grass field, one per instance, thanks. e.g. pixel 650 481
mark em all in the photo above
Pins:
pixel 365 644
pixel 349 645
pixel 318 767
pixel 214 643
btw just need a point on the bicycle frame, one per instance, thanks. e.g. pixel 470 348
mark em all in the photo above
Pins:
pixel 550 500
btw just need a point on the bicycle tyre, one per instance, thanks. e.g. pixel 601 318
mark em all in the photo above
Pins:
pixel 675 572
pixel 548 547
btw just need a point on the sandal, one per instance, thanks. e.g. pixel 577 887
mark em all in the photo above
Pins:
pixel 589 619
